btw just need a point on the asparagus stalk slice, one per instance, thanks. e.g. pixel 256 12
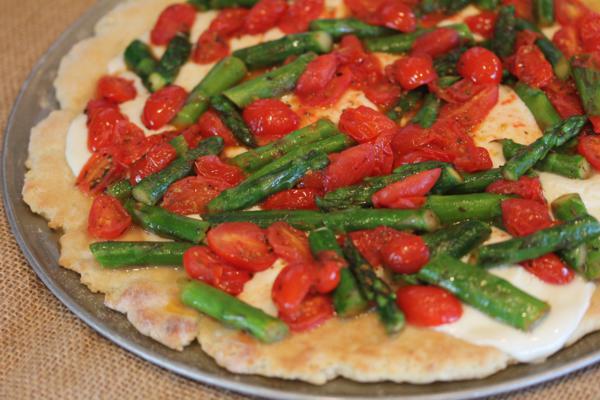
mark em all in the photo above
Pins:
pixel 177 52
pixel 554 136
pixel 256 158
pixel 223 75
pixel 477 182
pixel 231 117
pixel 505 34
pixel 121 190
pixel 443 6
pixel 276 51
pixel 341 221
pixel 587 79
pixel 180 144
pixel 566 208
pixel 348 300
pixel 253 191
pixel 445 65
pixel 403 42
pixel 565 236
pixel 139 59
pixel 359 195
pixel 272 84
pixel 233 312
pixel 150 190
pixel 374 289
pixel 455 208
pixel 164 223
pixel 457 240
pixel 133 254
pixel 572 166
pixel 349 26
pixel 544 12
pixel 538 103
pixel 487 4
pixel 429 111
pixel 488 293
pixel 405 104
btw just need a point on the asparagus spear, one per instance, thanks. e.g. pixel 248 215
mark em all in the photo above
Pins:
pixel 457 240
pixel 231 117
pixel 477 182
pixel 233 312
pixel 165 223
pixel 151 189
pixel 487 4
pixel 180 145
pixel 271 84
pixel 374 289
pixel 177 52
pixel 139 59
pixel 130 254
pixel 121 190
pixel 538 103
pixel 455 208
pixel 267 54
pixel 505 34
pixel 572 166
pixel 405 104
pixel 348 300
pixel 403 42
pixel 349 26
pixel 554 136
pixel 566 208
pixel 256 158
pixel 486 292
pixel 429 111
pixel 340 221
pixel 544 12
pixel 223 75
pixel 565 236
pixel 587 78
pixel 559 62
pixel 253 191
pixel 443 6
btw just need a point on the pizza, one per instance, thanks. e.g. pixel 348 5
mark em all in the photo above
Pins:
pixel 379 190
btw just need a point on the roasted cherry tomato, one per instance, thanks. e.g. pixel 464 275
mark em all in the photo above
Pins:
pixel 264 15
pixel 531 67
pixel 428 305
pixel 405 254
pixel 229 22
pixel 589 147
pixel 191 195
pixel 292 199
pixel 523 8
pixel 589 32
pixel 289 243
pixel 414 71
pixel 174 19
pixel 210 48
pixel 292 285
pixel 311 313
pixel 567 41
pixel 157 158
pixel 525 187
pixel 202 264
pixel 383 94
pixel 364 124
pixel 270 119
pixel 564 97
pixel 107 219
pixel 482 23
pixel 100 170
pixel 437 42
pixel 568 12
pixel 242 244
pixel 550 269
pixel 365 9
pixel 480 65
pixel 213 168
pixel 327 275
pixel 94 107
pixel 162 106
pixel 322 84
pixel 210 124
pixel 522 217
pixel 414 187
pixel 350 166
pixel 397 15
pixel 116 89
pixel 299 14
pixel 106 128
pixel 370 242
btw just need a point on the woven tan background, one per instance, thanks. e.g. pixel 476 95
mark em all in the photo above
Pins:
pixel 45 351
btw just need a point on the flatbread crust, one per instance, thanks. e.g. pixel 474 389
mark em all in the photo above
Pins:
pixel 358 349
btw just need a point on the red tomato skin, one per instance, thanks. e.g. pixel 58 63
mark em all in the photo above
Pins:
pixel 311 313
pixel 414 71
pixel 428 306
pixel 209 124
pixel 174 19
pixel 191 195
pixel 289 243
pixel 522 217
pixel 563 96
pixel 299 14
pixel 523 8
pixel 100 170
pixel 95 106
pixel 525 187
pixel 589 32
pixel 481 66
pixel 213 168
pixel 264 15
pixel 270 119
pixel 229 22
pixel 569 12
pixel 364 124
pixel 550 269
pixel 291 286
pixel 531 67
pixel 413 186
pixel 567 41
pixel 332 92
pixel 589 147
pixel 364 9
pixel 211 47
pixel 370 242
pixel 162 106
pixel 116 89
pixel 383 94
pixel 482 23
pixel 317 74
pixel 241 244
pixel 350 166
pixel 157 158
pixel 202 264
pixel 436 42
pixel 109 128
pixel 405 254
pixel 107 218
pixel 327 276
pixel 398 16
pixel 292 199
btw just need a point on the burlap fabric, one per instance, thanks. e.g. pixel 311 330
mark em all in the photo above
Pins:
pixel 45 351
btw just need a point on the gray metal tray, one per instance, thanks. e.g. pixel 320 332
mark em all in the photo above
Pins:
pixel 40 246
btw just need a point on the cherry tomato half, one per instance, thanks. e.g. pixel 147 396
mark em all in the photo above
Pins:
pixel 589 32
pixel 107 218
pixel 480 65
pixel 292 285
pixel 428 305
pixel 191 195
pixel 270 119
pixel 405 254
pixel 397 15
pixel 210 124
pixel 100 170
pixel 299 14
pixel 116 89
pixel 437 42
pixel 370 242
pixel 289 243
pixel 162 106
pixel 522 217
pixel 482 23
pixel 327 275
pixel 174 19
pixel 419 184
pixel 311 313
pixel 157 158
pixel 414 71
pixel 350 166
pixel 210 48
pixel 213 168
pixel 550 269
pixel 531 67
pixel 589 147
pixel 525 187
pixel 364 124
pixel 292 199
pixel 264 15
